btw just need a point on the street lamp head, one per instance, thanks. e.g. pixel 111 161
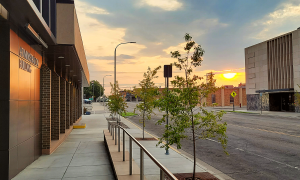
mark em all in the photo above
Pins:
pixel 132 42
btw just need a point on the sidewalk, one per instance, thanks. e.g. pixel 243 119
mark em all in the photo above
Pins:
pixel 176 161
pixel 81 157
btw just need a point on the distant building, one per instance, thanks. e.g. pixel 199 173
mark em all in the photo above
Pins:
pixel 223 98
pixel 272 73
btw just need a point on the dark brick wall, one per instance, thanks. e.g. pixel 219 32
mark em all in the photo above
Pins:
pixel 67 106
pixel 75 105
pixel 55 106
pixel 46 106
pixel 80 103
pixel 71 105
pixel 62 105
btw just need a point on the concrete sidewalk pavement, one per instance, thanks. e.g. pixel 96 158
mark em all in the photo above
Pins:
pixel 81 157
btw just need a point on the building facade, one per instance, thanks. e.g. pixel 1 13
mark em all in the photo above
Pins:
pixel 43 69
pixel 272 73
pixel 222 97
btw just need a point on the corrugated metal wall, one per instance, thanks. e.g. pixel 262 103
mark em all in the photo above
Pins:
pixel 280 63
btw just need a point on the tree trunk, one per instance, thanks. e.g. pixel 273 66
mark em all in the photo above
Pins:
pixel 144 121
pixel 194 147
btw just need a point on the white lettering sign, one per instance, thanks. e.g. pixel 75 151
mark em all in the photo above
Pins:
pixel 26 55
pixel 25 66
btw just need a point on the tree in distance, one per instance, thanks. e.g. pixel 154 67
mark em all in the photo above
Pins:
pixel 88 91
pixel 183 101
pixel 148 93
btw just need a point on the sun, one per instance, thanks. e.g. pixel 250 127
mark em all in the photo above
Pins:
pixel 229 75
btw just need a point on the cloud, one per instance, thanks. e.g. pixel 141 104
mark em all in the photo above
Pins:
pixel 167 5
pixel 83 7
pixel 277 22
pixel 100 39
pixel 179 48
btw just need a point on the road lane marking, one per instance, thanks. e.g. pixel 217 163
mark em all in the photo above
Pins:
pixel 213 140
pixel 269 159
pixel 239 149
pixel 276 132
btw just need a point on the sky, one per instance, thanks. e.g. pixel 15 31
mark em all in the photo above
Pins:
pixel 224 28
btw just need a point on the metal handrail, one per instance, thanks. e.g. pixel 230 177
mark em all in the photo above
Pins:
pixel 163 170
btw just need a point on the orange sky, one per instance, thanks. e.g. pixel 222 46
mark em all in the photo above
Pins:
pixel 101 39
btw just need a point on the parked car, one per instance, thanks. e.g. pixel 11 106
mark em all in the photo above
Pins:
pixel 87 101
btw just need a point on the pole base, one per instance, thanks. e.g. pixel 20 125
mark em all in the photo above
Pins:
pixel 167 152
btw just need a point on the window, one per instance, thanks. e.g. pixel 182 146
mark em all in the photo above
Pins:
pixel 213 98
pixel 46 10
pixel 37 4
pixel 53 17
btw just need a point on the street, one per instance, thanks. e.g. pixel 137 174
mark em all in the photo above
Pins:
pixel 260 147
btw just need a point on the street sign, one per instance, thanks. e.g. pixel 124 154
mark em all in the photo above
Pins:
pixel 233 94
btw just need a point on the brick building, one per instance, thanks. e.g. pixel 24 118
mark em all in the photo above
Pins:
pixel 43 69
pixel 223 98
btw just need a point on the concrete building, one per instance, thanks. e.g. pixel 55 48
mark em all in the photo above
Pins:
pixel 272 73
pixel 43 69
pixel 223 97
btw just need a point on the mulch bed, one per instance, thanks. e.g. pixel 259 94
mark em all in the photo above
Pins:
pixel 146 139
pixel 199 176
pixel 121 124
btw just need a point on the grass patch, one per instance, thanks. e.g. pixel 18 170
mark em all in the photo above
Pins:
pixel 242 112
pixel 128 114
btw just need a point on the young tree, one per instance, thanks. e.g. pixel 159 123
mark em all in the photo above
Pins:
pixel 116 104
pixel 184 103
pixel 147 92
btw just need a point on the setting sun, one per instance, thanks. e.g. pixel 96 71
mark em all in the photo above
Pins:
pixel 229 75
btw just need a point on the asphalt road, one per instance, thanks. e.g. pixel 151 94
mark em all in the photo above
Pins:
pixel 260 147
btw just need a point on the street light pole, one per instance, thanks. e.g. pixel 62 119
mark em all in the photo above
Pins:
pixel 93 91
pixel 115 63
pixel 103 86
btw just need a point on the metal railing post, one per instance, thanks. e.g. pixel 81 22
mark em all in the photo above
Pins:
pixel 119 138
pixel 108 125
pixel 130 156
pixel 116 135
pixel 123 145
pixel 141 164
pixel 162 175
pixel 113 132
